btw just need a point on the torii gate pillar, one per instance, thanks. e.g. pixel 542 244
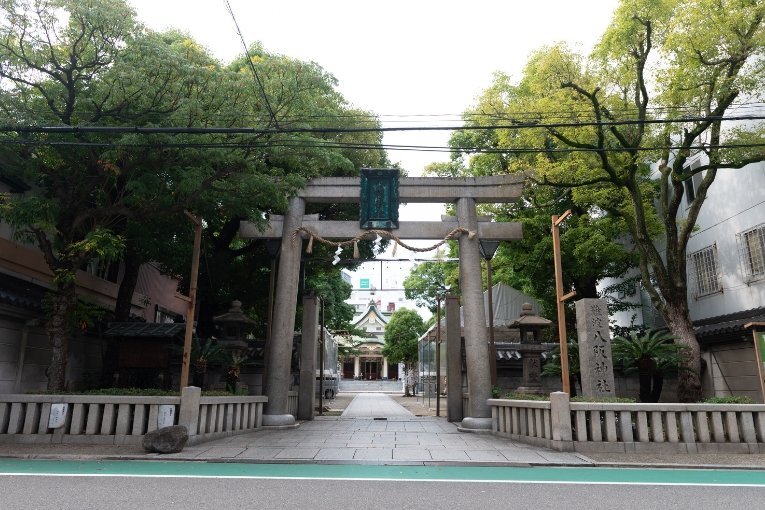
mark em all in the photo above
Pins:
pixel 476 333
pixel 276 412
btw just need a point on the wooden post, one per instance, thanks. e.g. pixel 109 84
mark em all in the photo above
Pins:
pixel 559 300
pixel 758 353
pixel 192 300
pixel 438 356
pixel 492 346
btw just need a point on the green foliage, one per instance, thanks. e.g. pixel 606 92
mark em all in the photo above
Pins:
pixel 526 396
pixel 655 347
pixel 428 281
pixel 605 400
pixel 334 291
pixel 728 400
pixel 133 392
pixel 401 333
pixel 552 365
pixel 106 195
pixel 653 354
pixel 544 398
pixel 205 351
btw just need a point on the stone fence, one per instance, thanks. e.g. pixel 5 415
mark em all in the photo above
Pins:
pixel 102 419
pixel 637 428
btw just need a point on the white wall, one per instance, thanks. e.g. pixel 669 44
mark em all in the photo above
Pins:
pixel 735 203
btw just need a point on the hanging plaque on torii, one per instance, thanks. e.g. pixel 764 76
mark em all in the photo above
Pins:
pixel 378 199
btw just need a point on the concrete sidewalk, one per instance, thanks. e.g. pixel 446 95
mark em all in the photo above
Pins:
pixel 376 430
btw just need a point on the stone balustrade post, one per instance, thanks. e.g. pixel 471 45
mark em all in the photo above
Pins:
pixel 188 415
pixel 560 418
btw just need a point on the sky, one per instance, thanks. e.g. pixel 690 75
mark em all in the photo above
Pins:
pixel 414 61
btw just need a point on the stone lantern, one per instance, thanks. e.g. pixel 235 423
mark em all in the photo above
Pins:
pixel 236 327
pixel 530 327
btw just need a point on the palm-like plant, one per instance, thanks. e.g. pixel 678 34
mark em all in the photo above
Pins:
pixel 203 352
pixel 653 354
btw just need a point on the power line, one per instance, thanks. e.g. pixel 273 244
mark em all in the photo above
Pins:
pixel 508 115
pixel 252 66
pixel 318 144
pixel 343 130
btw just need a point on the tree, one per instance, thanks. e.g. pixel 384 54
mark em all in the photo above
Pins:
pixel 49 71
pixel 99 196
pixel 401 335
pixel 426 282
pixel 590 243
pixel 656 89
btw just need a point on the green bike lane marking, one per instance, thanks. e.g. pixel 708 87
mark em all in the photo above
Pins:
pixel 567 475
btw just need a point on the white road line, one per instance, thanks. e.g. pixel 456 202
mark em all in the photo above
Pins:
pixel 418 480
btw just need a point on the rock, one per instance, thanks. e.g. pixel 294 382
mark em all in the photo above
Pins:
pixel 166 440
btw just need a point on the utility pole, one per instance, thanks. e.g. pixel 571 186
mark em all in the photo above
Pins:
pixel 560 299
pixel 192 299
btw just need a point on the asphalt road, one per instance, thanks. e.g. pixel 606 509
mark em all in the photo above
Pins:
pixel 158 485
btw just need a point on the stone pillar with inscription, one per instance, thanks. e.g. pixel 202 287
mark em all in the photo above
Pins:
pixel 595 361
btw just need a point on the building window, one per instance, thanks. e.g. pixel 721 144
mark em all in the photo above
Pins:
pixel 693 182
pixel 704 267
pixel 751 246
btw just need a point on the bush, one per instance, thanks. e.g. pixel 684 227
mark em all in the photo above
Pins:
pixel 605 400
pixel 728 400
pixel 525 396
pixel 135 392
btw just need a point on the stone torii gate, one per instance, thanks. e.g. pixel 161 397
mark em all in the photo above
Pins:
pixel 466 193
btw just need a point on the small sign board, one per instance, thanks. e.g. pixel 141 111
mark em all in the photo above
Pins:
pixel 58 414
pixel 364 283
pixel 166 416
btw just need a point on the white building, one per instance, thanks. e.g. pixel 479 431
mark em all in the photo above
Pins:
pixel 381 282
pixel 726 278
pixel 368 363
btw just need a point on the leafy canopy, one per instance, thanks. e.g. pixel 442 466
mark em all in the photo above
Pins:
pixel 401 333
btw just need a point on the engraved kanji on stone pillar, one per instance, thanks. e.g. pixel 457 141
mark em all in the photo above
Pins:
pixel 595 362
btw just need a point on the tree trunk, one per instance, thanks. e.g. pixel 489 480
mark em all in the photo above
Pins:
pixel 689 376
pixel 127 286
pixel 658 385
pixel 572 380
pixel 62 304
pixel 646 370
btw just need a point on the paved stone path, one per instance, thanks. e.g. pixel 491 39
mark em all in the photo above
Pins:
pixel 374 405
pixel 374 429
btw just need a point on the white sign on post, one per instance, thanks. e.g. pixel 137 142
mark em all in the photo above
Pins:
pixel 58 414
pixel 166 416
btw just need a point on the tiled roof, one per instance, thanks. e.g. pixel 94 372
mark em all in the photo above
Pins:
pixel 727 327
pixel 20 293
pixel 145 329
